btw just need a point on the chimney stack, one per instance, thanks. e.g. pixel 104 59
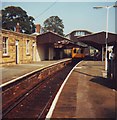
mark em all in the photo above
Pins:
pixel 17 27
pixel 38 27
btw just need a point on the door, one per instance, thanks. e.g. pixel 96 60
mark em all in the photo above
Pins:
pixel 33 51
pixel 17 51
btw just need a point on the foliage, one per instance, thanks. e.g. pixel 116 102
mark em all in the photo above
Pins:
pixel 54 24
pixel 12 15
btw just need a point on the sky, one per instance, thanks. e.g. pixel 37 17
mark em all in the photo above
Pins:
pixel 75 15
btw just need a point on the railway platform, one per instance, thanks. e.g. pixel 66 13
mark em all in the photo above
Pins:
pixel 86 94
pixel 9 73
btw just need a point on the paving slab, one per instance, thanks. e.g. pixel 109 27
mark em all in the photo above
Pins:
pixel 87 94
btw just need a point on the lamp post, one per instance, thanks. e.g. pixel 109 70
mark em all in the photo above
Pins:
pixel 106 39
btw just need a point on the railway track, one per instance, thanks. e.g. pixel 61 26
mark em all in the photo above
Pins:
pixel 36 102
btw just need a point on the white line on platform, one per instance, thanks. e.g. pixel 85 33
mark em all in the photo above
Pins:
pixel 49 114
pixel 78 67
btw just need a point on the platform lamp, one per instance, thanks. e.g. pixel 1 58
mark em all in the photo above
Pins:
pixel 106 39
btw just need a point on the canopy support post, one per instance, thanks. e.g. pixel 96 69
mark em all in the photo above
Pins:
pixel 102 53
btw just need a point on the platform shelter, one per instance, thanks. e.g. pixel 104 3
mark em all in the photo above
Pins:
pixel 97 40
pixel 51 46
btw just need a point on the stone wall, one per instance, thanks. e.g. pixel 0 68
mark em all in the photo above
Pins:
pixel 10 59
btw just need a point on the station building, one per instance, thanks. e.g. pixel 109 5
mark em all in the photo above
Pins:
pixel 19 48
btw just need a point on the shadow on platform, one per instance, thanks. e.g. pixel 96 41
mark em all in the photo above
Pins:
pixel 104 81
pixel 100 80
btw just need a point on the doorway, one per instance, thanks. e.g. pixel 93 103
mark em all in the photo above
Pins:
pixel 17 51
pixel 33 51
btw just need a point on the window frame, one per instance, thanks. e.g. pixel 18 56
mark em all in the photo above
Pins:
pixel 27 47
pixel 5 46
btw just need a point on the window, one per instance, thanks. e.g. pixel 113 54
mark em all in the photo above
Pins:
pixel 75 51
pixel 5 45
pixel 27 47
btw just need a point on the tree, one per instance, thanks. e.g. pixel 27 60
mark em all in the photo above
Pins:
pixel 55 24
pixel 12 15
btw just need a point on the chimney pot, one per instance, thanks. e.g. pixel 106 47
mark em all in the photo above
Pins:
pixel 38 27
pixel 17 27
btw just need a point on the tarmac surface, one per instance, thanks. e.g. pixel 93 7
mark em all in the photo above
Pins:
pixel 11 72
pixel 87 94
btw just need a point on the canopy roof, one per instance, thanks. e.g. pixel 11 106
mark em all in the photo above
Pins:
pixel 54 39
pixel 97 40
pixel 50 37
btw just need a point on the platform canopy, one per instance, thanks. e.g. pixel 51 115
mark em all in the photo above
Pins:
pixel 56 40
pixel 97 40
